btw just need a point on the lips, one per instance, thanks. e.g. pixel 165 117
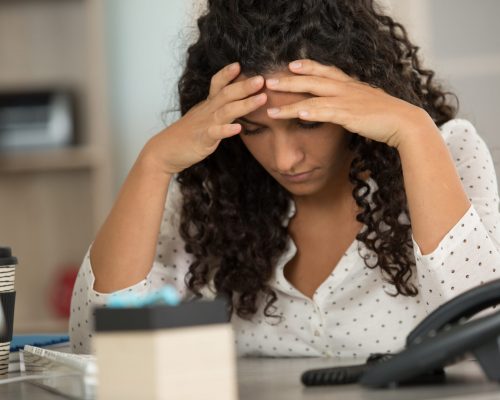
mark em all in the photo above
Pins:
pixel 300 177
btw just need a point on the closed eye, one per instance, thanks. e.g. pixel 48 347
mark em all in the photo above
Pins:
pixel 298 122
pixel 309 124
pixel 247 131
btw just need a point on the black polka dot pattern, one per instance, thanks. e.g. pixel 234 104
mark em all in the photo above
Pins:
pixel 352 313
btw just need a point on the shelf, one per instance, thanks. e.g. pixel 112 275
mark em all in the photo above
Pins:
pixel 47 160
pixel 54 199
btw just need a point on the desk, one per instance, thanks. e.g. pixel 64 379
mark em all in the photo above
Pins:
pixel 279 379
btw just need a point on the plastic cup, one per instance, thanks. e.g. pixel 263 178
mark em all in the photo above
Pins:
pixel 8 265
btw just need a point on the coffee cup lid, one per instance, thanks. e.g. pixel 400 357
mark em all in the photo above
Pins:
pixel 6 257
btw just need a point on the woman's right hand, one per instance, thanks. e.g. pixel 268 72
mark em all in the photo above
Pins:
pixel 198 133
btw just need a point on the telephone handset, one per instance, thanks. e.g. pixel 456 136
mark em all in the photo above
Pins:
pixel 458 309
pixel 442 338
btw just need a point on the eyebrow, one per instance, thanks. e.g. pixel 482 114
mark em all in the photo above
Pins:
pixel 248 121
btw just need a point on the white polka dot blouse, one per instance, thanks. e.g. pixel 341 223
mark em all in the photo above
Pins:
pixel 352 313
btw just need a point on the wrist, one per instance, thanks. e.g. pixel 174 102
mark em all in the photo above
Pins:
pixel 152 164
pixel 155 158
pixel 417 130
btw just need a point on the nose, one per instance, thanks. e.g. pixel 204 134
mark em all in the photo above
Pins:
pixel 288 153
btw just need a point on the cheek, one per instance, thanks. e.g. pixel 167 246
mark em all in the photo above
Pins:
pixel 330 144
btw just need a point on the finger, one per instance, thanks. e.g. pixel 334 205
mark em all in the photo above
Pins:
pixel 222 78
pixel 219 132
pixel 231 111
pixel 311 67
pixel 292 110
pixel 315 85
pixel 238 91
pixel 325 114
pixel 320 110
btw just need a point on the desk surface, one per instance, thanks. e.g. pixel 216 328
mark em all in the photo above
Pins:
pixel 279 379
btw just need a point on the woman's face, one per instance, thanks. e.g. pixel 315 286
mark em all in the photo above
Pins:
pixel 305 157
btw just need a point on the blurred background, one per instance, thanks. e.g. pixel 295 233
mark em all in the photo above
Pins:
pixel 85 83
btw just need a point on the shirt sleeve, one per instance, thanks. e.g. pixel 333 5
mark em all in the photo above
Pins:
pixel 469 254
pixel 169 267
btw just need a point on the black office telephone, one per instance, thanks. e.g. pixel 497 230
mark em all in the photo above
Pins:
pixel 442 338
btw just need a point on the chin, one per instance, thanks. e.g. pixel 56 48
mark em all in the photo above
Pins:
pixel 301 189
pixel 302 193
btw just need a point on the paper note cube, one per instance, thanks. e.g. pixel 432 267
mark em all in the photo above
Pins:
pixel 165 352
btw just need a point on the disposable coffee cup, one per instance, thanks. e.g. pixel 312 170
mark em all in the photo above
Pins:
pixel 8 265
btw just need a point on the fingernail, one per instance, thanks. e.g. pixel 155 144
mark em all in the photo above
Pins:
pixel 272 82
pixel 259 97
pixel 233 67
pixel 303 114
pixel 296 65
pixel 235 127
pixel 257 81
pixel 273 111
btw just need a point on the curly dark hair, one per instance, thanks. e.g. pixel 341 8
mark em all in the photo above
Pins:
pixel 233 210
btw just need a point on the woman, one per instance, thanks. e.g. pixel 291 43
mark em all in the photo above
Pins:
pixel 316 178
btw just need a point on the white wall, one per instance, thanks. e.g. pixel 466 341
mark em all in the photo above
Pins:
pixel 460 40
pixel 145 55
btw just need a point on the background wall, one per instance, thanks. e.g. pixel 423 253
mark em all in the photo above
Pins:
pixel 460 40
pixel 145 42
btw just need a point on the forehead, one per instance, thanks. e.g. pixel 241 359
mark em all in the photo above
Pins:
pixel 274 98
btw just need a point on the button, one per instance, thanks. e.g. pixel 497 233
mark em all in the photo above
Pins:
pixel 317 333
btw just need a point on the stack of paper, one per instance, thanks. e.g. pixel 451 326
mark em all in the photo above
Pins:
pixel 78 370
pixel 46 341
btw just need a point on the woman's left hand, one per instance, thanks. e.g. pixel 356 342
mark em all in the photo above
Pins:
pixel 341 99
